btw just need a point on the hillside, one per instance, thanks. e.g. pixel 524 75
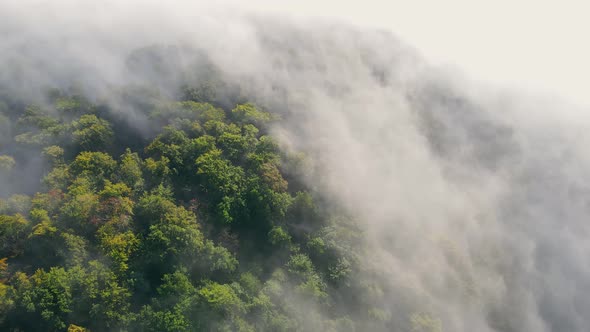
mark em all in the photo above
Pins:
pixel 176 167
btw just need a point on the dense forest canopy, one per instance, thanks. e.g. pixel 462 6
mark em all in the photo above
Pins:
pixel 168 168
pixel 196 228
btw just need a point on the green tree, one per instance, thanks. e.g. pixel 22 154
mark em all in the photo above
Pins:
pixel 13 232
pixel 55 154
pixel 223 183
pixel 174 307
pixel 219 302
pixel 248 113
pixel 95 166
pixel 92 133
pixel 130 170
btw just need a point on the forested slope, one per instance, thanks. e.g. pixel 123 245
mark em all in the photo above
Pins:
pixel 201 225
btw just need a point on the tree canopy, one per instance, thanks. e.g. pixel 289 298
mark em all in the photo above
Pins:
pixel 191 227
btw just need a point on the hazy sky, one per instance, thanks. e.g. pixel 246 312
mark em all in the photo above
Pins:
pixel 538 45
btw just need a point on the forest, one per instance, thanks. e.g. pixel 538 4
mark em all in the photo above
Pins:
pixel 202 224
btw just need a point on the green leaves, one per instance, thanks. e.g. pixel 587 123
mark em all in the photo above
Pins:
pixel 87 296
pixel 92 133
pixel 51 296
pixel 175 235
pixel 220 299
pixel 223 182
pixel 198 230
pixel 278 236
pixel 13 232
pixel 248 113
pixel 130 170
pixel 96 166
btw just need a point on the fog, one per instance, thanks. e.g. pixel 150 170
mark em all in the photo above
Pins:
pixel 473 201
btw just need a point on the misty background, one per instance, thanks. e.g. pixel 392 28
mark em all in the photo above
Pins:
pixel 472 200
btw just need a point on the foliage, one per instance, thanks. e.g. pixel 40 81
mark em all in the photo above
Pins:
pixel 92 133
pixel 194 228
